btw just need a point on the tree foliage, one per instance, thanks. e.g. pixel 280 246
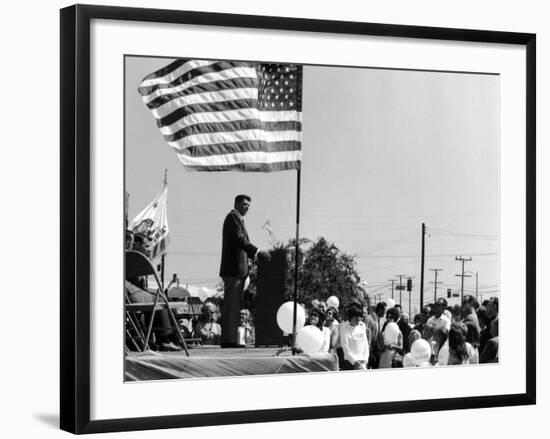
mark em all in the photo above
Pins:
pixel 323 271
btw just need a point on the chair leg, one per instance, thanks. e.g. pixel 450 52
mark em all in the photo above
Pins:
pixel 175 325
pixel 150 326
pixel 137 331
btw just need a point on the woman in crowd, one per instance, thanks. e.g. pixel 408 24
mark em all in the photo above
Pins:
pixel 391 339
pixel 413 336
pixel 440 347
pixel 317 318
pixel 353 337
pixel 460 351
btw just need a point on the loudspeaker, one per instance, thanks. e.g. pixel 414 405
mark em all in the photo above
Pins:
pixel 270 291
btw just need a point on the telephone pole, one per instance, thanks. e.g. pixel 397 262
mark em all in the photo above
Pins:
pixel 401 287
pixel 409 289
pixel 422 267
pixel 392 282
pixel 463 260
pixel 435 282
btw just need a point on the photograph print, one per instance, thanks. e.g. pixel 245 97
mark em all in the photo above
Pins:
pixel 287 218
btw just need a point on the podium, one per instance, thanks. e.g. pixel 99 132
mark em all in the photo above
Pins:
pixel 270 295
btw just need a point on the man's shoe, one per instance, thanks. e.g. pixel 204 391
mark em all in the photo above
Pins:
pixel 170 346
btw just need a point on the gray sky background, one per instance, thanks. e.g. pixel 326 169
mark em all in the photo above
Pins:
pixel 383 151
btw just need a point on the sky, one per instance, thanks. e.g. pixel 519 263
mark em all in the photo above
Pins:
pixel 383 151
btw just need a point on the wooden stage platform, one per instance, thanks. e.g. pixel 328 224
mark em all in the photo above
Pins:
pixel 212 361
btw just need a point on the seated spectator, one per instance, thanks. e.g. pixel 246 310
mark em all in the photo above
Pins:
pixel 163 332
pixel 207 329
pixel 353 337
pixel 245 330
pixel 142 244
pixel 186 327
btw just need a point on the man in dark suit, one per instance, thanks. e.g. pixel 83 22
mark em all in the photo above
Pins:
pixel 236 251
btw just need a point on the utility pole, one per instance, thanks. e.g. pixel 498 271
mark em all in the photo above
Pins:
pixel 435 282
pixel 400 288
pixel 463 260
pixel 392 282
pixel 409 289
pixel 422 267
pixel 476 286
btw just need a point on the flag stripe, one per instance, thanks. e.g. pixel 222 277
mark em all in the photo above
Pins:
pixel 172 71
pixel 248 167
pixel 209 87
pixel 205 98
pixel 230 75
pixel 236 125
pixel 241 157
pixel 232 148
pixel 178 114
pixel 236 136
pixel 188 72
pixel 228 116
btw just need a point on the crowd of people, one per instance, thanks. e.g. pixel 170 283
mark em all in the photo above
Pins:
pixel 368 337
pixel 381 336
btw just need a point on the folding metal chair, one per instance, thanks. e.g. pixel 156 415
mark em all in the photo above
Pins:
pixel 137 264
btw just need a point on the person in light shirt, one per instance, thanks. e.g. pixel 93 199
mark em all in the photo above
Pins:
pixel 317 318
pixel 440 319
pixel 353 337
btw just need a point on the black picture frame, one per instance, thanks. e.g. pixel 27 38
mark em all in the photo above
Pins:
pixel 75 217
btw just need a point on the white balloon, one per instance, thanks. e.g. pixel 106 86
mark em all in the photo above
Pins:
pixel 391 333
pixel 390 303
pixel 204 293
pixel 285 316
pixel 421 351
pixel 408 360
pixel 246 283
pixel 333 301
pixel 309 339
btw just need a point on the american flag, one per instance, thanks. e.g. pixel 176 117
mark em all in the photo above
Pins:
pixel 228 115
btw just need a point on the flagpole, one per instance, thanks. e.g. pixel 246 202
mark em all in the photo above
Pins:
pixel 298 177
pixel 162 258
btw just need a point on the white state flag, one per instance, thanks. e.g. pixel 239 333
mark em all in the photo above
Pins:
pixel 153 223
